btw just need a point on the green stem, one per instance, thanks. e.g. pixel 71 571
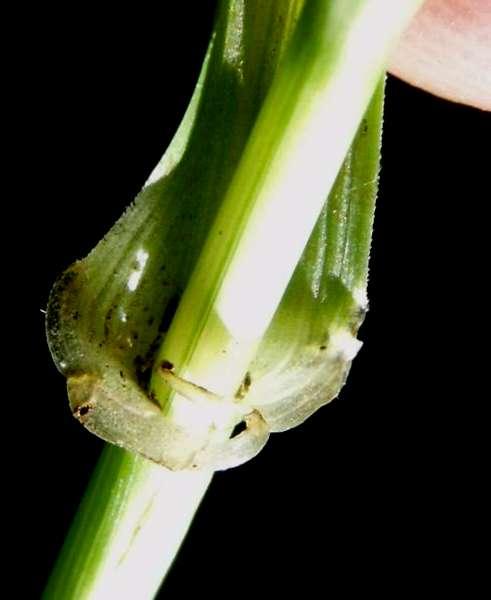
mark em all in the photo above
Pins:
pixel 127 531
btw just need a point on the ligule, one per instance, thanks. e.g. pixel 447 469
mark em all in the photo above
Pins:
pixel 301 364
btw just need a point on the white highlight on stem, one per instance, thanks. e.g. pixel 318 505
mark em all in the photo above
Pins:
pixel 304 168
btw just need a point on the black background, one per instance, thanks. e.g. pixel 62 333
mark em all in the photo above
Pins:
pixel 376 491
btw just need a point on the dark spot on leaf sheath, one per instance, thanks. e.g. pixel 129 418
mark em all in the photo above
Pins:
pixel 82 411
pixel 143 364
pixel 169 312
pixel 167 365
pixel 364 127
pixel 142 371
pixel 107 320
pixel 121 374
pixel 244 387
pixel 238 429
pixel 76 315
pixel 154 346
pixel 323 347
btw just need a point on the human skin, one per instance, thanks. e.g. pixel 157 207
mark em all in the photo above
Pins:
pixel 447 51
